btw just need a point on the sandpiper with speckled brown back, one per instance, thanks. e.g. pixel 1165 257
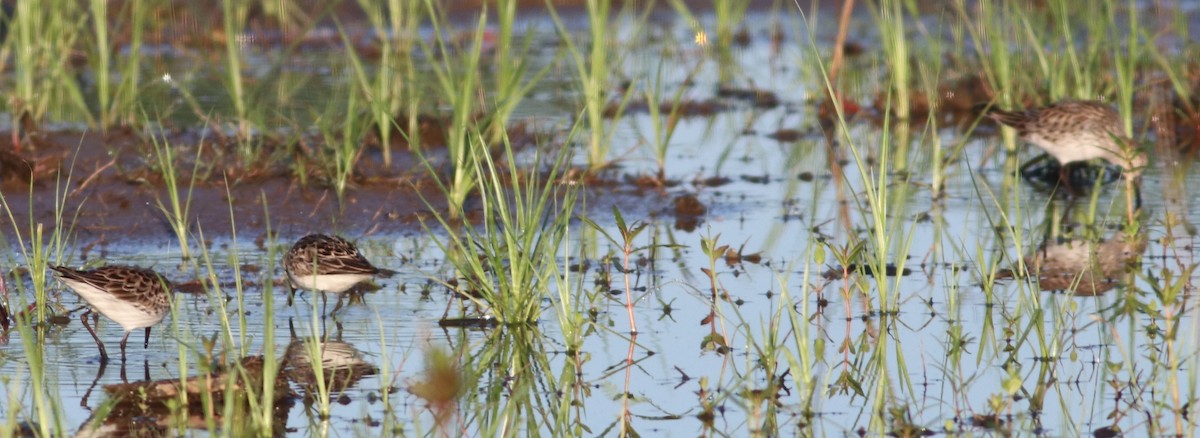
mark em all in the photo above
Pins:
pixel 1072 131
pixel 328 264
pixel 133 297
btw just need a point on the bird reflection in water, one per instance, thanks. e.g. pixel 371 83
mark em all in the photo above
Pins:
pixel 1084 267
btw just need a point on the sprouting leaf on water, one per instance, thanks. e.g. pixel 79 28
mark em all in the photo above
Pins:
pixel 1114 367
pixel 846 383
pixel 1013 382
pixel 713 342
pixel 847 347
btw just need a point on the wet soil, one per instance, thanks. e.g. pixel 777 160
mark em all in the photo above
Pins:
pixel 111 189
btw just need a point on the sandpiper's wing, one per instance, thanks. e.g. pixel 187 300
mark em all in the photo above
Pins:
pixel 334 255
pixel 123 282
pixel 1061 117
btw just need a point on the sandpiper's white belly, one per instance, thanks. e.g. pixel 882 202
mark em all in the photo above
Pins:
pixel 332 283
pixel 1083 148
pixel 126 313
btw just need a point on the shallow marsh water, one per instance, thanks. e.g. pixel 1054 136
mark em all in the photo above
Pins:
pixel 941 360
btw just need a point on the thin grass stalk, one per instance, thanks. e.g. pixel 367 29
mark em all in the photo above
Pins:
pixel 878 208
pixel 36 255
pixel 46 33
pixel 233 16
pixel 25 23
pixel 14 404
pixel 186 343
pixel 895 43
pixel 230 351
pixel 385 92
pixel 385 372
pixel 47 408
pixel 877 196
pixel 729 13
pixel 570 413
pixel 592 68
pixel 1183 88
pixel 1093 65
pixel 596 81
pixel 116 104
pixel 507 215
pixel 713 251
pixel 512 79
pixel 408 23
pixel 343 141
pixel 271 364
pixel 458 84
pixel 507 69
pixel 1126 63
pixel 178 215
pixel 234 262
pixel 504 261
pixel 122 108
pixel 1189 343
pixel 519 407
pixel 991 44
pixel 626 251
pixel 313 347
pixel 1070 65
pixel 217 299
pixel 232 412
pixel 568 308
pixel 99 11
pixel 663 132
pixel 46 405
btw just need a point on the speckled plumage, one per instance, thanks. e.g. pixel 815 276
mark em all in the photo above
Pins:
pixel 132 297
pixel 326 263
pixel 1073 131
pixel 342 365
pixel 1084 267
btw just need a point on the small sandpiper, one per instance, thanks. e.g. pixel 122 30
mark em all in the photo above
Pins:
pixel 328 264
pixel 133 297
pixel 1073 131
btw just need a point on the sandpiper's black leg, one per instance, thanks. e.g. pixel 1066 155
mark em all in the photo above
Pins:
pixel 147 343
pixel 123 341
pixel 338 305
pixel 449 302
pixel 83 403
pixel 291 294
pixel 1064 180
pixel 103 354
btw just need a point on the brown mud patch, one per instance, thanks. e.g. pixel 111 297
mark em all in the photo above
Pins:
pixel 110 188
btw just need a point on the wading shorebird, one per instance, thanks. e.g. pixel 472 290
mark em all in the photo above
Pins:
pixel 329 264
pixel 133 297
pixel 1072 131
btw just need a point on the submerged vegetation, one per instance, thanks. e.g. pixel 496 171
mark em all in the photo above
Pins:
pixel 619 218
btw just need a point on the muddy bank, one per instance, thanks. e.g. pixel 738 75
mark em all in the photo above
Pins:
pixel 111 186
